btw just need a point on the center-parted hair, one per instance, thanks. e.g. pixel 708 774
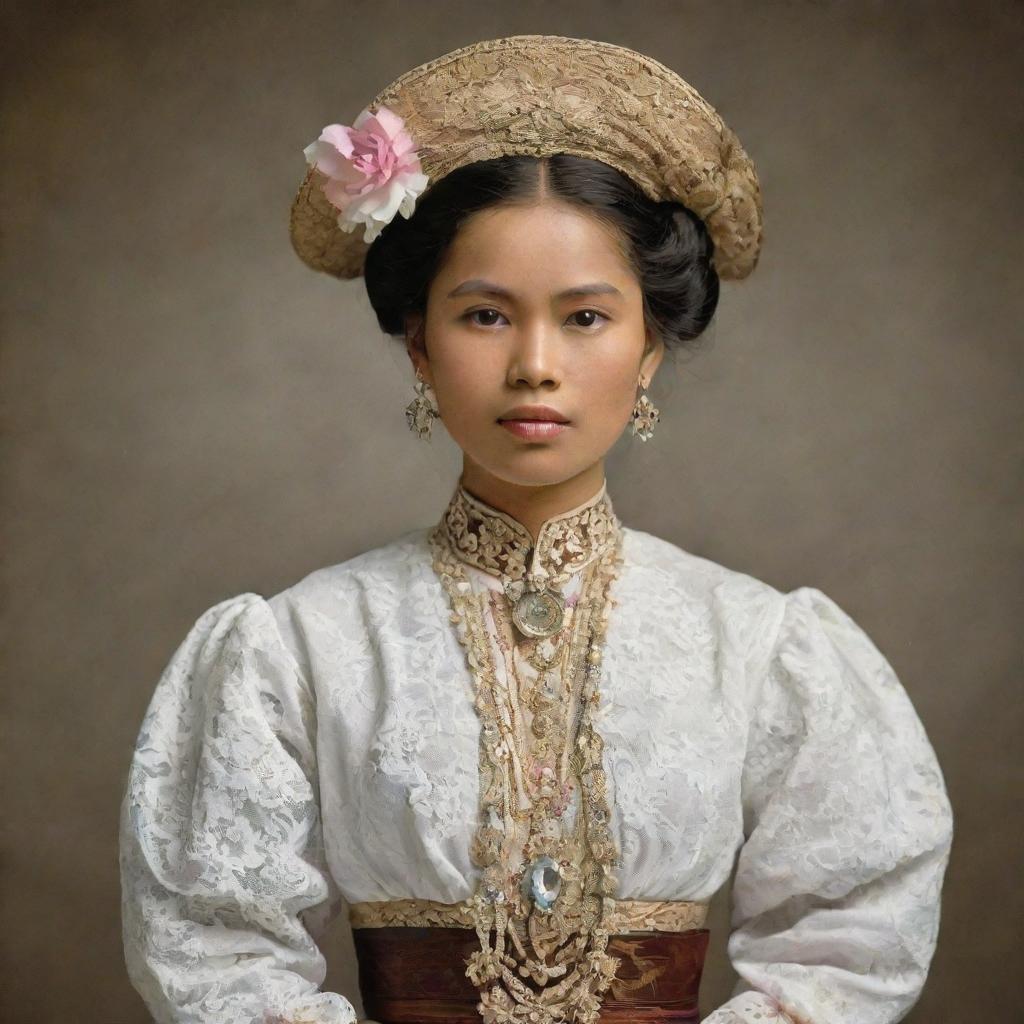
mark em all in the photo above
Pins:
pixel 667 246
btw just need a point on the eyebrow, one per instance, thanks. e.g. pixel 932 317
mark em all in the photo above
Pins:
pixel 478 286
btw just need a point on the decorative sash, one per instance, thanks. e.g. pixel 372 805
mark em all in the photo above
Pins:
pixel 412 958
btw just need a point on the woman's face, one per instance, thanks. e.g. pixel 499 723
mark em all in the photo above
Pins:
pixel 534 306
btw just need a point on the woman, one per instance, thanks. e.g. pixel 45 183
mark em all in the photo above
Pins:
pixel 527 744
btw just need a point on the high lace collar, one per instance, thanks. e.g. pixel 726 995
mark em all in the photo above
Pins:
pixel 499 544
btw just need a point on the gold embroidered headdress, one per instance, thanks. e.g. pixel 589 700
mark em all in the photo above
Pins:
pixel 529 95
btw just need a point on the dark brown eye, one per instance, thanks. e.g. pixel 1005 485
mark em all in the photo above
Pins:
pixel 485 313
pixel 592 316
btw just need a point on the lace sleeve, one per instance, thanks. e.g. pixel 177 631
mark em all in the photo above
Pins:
pixel 848 833
pixel 221 856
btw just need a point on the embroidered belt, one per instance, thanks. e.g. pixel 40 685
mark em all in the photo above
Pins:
pixel 628 915
pixel 412 958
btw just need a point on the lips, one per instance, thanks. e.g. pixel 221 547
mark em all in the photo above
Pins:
pixel 534 413
pixel 534 430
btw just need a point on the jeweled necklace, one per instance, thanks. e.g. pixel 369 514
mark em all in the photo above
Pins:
pixel 540 912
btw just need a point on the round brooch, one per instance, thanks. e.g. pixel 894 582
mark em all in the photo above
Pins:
pixel 539 613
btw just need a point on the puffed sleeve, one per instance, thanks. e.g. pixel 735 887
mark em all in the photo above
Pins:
pixel 222 863
pixel 848 830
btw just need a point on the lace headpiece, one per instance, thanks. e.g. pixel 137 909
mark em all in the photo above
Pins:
pixel 526 95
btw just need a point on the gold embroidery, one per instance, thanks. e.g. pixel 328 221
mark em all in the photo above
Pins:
pixel 629 916
pixel 648 970
pixel 543 950
pixel 493 541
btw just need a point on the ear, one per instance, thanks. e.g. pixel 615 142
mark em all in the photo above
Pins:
pixel 654 351
pixel 415 344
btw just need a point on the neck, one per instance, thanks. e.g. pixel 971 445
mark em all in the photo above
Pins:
pixel 531 504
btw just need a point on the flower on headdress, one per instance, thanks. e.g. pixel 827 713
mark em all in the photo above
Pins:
pixel 372 170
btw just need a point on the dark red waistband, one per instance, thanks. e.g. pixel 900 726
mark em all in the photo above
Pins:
pixel 418 976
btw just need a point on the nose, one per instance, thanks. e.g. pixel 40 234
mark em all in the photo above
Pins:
pixel 534 359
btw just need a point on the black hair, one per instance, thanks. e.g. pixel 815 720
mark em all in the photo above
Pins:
pixel 667 245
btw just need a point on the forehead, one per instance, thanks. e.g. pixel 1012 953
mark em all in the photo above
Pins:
pixel 540 242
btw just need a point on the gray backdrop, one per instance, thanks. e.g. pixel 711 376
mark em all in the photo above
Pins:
pixel 188 412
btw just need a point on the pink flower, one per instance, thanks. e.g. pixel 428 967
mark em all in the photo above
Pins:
pixel 371 168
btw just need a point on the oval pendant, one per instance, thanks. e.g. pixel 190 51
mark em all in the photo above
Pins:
pixel 542 881
pixel 539 613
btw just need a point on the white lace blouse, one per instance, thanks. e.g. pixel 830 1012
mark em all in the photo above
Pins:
pixel 324 742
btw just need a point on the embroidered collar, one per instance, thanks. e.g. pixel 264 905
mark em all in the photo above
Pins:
pixel 499 544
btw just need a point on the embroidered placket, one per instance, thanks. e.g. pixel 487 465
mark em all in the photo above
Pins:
pixel 547 883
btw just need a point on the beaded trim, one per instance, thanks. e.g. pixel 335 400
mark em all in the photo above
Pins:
pixel 628 918
pixel 561 951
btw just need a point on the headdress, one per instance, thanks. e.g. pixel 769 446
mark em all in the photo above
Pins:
pixel 526 95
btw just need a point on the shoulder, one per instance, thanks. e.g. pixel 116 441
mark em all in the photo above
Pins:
pixel 396 562
pixel 249 636
pixel 223 630
pixel 656 554
pixel 663 564
pixel 393 563
pixel 802 627
pixel 804 633
pixel 340 607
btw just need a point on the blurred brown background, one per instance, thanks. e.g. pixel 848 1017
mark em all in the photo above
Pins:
pixel 188 412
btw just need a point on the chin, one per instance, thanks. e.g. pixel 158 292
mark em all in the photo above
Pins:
pixel 534 468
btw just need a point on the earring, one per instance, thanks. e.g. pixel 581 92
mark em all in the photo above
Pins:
pixel 421 412
pixel 645 415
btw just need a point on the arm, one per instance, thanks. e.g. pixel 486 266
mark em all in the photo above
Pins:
pixel 221 854
pixel 848 833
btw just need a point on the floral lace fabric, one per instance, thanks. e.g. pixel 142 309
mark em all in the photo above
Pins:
pixel 321 746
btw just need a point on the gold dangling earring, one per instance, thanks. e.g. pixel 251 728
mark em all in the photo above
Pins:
pixel 421 412
pixel 645 415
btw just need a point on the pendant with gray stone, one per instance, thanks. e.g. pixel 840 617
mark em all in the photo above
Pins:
pixel 539 613
pixel 542 881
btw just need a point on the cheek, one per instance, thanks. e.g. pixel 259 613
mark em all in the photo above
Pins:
pixel 610 383
pixel 465 380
